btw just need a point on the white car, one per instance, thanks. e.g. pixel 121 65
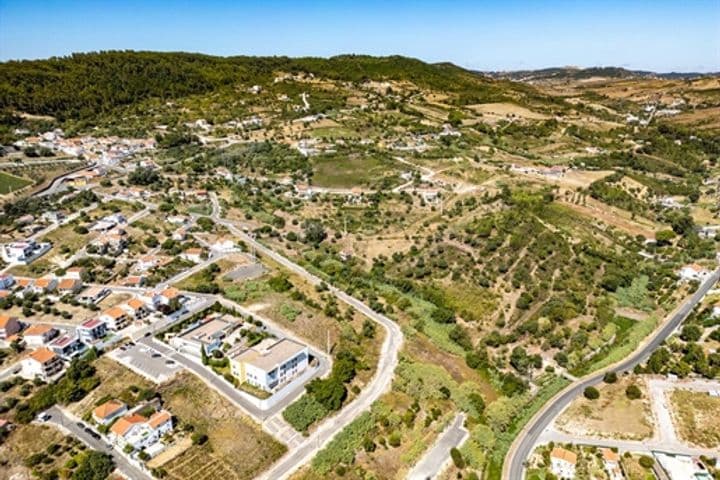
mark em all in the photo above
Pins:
pixel 43 417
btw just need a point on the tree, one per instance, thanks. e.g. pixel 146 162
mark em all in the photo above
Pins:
pixel 646 462
pixel 691 333
pixel 314 232
pixel 143 176
pixel 94 466
pixel 591 393
pixel 633 392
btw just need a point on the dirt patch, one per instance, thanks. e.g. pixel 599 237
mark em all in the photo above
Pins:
pixel 170 453
pixel 696 417
pixel 613 415
pixel 502 111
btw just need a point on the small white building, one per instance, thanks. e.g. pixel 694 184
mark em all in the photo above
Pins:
pixel 116 318
pixel 611 461
pixel 107 412
pixel 562 463
pixel 67 346
pixel 23 253
pixel 39 334
pixel 140 432
pixel 92 330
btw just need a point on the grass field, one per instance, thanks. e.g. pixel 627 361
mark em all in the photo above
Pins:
pixel 348 172
pixel 696 417
pixel 11 183
pixel 27 440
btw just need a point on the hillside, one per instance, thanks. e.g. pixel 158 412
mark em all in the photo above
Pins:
pixel 83 85
pixel 575 73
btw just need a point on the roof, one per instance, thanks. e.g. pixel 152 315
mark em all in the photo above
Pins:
pixel 92 291
pixel 268 358
pixel 43 355
pixel 5 320
pixel 135 303
pixel 92 323
pixel 133 279
pixel 609 455
pixel 108 409
pixel 75 269
pixel 43 282
pixel 24 282
pixel 115 312
pixel 562 454
pixel 64 341
pixel 124 423
pixel 68 283
pixel 193 251
pixel 38 329
pixel 158 418
pixel 695 267
pixel 170 293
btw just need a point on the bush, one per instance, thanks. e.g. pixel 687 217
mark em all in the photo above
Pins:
pixel 394 440
pixel 633 392
pixel 591 393
pixel 304 412
pixel 457 458
pixel 610 377
pixel 198 438
pixel 646 462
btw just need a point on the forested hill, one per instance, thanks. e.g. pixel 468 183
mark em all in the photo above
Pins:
pixel 84 85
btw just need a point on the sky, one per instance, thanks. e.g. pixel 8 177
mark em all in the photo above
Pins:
pixel 658 35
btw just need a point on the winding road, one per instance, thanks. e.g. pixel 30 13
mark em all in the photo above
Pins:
pixel 378 385
pixel 514 465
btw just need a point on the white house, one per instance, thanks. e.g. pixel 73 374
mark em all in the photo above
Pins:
pixel 140 432
pixel 224 246
pixel 23 253
pixel 562 463
pixel 39 334
pixel 44 285
pixel 42 363
pixel 116 318
pixel 611 461
pixel 91 330
pixel 270 364
pixel 67 346
pixel 93 295
pixel 136 308
pixel 192 255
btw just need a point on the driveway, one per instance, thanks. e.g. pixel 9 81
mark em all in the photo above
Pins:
pixel 435 460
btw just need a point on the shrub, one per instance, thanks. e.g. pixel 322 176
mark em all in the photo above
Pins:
pixel 610 377
pixel 457 458
pixel 304 412
pixel 394 440
pixel 591 393
pixel 198 438
pixel 633 392
pixel 646 462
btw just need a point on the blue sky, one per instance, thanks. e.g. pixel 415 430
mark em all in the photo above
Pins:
pixel 660 35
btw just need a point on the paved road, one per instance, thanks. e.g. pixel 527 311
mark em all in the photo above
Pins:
pixel 65 422
pixel 514 465
pixel 379 384
pixel 435 460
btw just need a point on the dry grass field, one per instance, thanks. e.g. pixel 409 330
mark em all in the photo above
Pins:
pixel 237 448
pixel 696 417
pixel 612 415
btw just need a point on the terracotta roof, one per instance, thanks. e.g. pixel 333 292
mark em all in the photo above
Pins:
pixel 609 455
pixel 158 418
pixel 4 294
pixel 133 279
pixel 135 303
pixel 68 283
pixel 108 408
pixel 124 423
pixel 193 251
pixel 5 319
pixel 38 329
pixel 24 282
pixel 43 282
pixel 170 293
pixel 562 454
pixel 42 355
pixel 115 312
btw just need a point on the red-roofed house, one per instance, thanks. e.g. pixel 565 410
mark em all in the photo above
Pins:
pixel 92 330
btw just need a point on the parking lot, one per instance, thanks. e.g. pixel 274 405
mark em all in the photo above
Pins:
pixel 146 361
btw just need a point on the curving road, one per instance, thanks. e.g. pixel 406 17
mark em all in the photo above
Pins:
pixel 514 465
pixel 378 385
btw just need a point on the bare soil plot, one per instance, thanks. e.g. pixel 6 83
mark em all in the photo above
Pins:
pixel 502 111
pixel 612 415
pixel 695 415
pixel 237 448
pixel 615 217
